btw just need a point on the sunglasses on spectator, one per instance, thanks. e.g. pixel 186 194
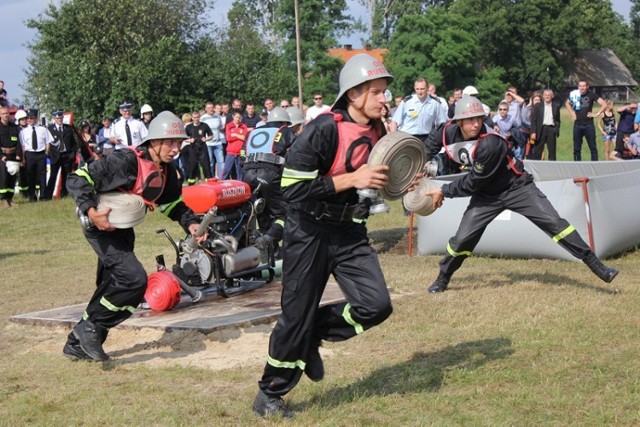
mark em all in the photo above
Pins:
pixel 317 98
pixel 284 106
pixel 502 109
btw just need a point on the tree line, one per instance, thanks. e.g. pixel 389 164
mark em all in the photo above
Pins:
pixel 90 55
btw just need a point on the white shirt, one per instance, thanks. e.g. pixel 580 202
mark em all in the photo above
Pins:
pixel 43 134
pixel 136 127
pixel 215 123
pixel 315 111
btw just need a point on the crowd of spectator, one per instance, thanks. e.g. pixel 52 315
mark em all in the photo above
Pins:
pixel 218 132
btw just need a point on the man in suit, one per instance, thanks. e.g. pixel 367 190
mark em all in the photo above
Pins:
pixel 545 126
pixel 62 154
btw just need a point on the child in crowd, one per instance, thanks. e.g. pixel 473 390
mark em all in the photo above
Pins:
pixel 607 126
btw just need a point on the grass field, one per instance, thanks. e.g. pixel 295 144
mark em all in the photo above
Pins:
pixel 513 342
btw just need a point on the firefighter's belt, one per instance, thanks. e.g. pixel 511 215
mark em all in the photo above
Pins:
pixel 405 155
pixel 6 150
pixel 329 211
pixel 266 157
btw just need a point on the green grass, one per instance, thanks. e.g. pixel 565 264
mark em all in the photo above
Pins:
pixel 513 342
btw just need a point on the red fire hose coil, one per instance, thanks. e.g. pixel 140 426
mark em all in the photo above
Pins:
pixel 163 291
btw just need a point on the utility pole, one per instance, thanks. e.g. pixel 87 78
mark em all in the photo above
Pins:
pixel 298 60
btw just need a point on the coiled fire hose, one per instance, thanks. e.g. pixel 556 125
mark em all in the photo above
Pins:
pixel 405 155
pixel 127 210
pixel 417 201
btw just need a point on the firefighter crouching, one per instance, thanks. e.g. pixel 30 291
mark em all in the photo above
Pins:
pixel 121 280
pixel 265 151
pixel 495 181
pixel 322 172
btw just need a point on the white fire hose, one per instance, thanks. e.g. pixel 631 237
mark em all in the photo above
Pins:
pixel 127 210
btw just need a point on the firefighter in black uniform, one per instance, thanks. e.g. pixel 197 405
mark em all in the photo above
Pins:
pixel 265 149
pixel 121 280
pixel 495 181
pixel 322 172
pixel 62 154
pixel 10 151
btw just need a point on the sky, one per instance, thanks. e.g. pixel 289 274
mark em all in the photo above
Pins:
pixel 15 13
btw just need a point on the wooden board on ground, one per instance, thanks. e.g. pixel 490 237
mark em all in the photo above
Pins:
pixel 210 314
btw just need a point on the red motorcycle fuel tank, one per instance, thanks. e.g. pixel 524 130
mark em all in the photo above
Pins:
pixel 200 198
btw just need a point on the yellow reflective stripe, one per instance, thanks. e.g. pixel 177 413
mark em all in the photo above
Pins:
pixel 347 316
pixel 564 233
pixel 286 365
pixel 168 207
pixel 292 176
pixel 111 307
pixel 280 222
pixel 454 253
pixel 84 172
pixel 85 315
pixel 359 221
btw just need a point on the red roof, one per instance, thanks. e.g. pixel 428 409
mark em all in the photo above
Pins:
pixel 345 53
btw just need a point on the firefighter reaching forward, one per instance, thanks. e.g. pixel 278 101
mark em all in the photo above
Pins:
pixel 321 175
pixel 496 181
pixel 121 280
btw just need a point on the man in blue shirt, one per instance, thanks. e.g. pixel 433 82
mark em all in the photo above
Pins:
pixel 419 113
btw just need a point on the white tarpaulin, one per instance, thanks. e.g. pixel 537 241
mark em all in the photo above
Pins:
pixel 613 190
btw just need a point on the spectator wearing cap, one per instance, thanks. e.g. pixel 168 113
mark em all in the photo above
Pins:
pixel 127 131
pixel 263 118
pixel 62 154
pixel 36 141
pixel 146 115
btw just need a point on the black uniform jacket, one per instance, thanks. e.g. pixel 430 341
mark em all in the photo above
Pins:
pixel 493 166
pixel 119 171
pixel 314 151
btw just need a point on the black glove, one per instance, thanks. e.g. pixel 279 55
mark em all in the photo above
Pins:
pixel 264 241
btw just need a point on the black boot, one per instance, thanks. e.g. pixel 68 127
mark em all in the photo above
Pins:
pixel 605 273
pixel 314 368
pixel 266 406
pixel 91 337
pixel 72 349
pixel 440 284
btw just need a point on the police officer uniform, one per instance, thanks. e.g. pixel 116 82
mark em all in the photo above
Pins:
pixel 36 141
pixel 121 279
pixel 62 154
pixel 266 149
pixel 417 117
pixel 496 181
pixel 130 132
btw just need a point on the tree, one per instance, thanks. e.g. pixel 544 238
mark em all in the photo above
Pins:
pixel 432 45
pixel 88 61
pixel 321 22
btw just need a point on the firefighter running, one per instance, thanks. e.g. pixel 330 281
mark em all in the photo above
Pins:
pixel 121 280
pixel 322 172
pixel 496 181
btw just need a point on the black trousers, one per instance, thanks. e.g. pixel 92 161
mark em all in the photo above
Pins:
pixel 7 183
pixel 36 173
pixel 527 200
pixel 64 163
pixel 546 137
pixel 313 251
pixel 196 156
pixel 121 280
pixel 271 220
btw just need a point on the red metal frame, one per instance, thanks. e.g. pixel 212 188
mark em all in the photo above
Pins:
pixel 585 195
